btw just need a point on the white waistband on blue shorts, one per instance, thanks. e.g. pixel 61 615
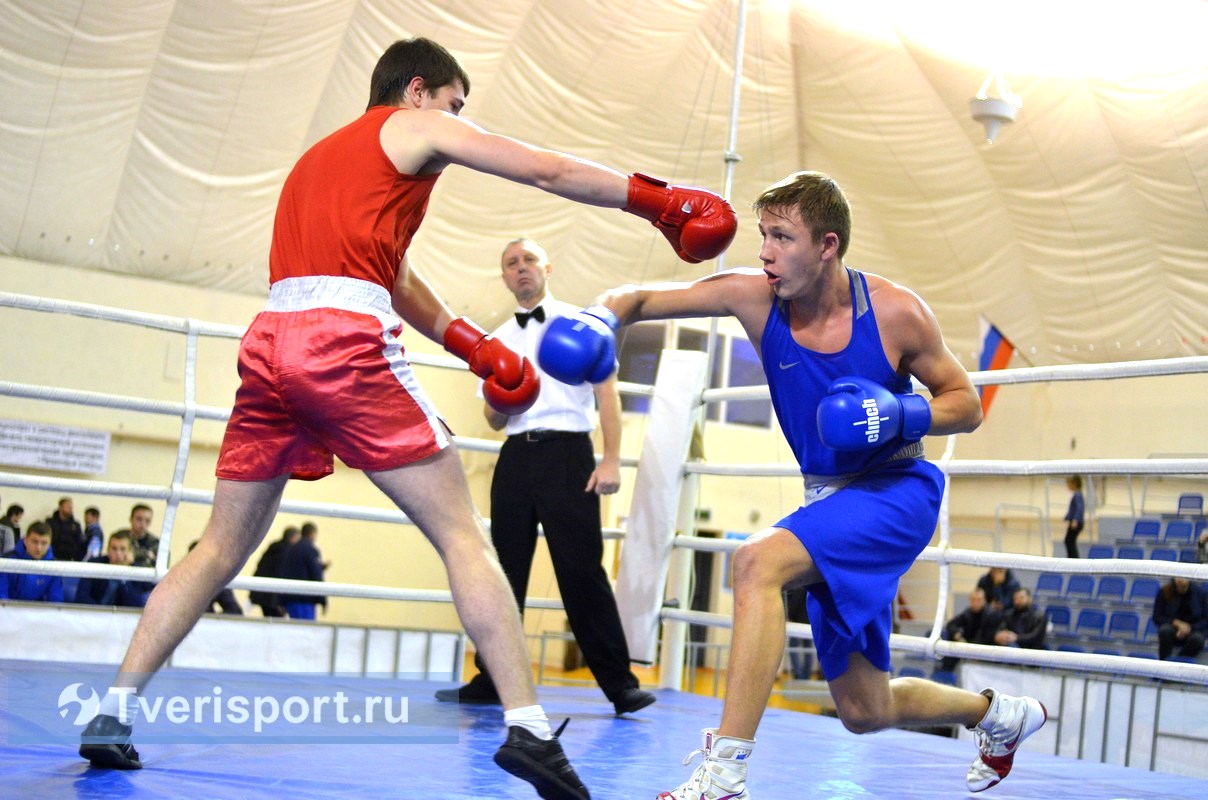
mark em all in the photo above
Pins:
pixel 816 483
pixel 329 291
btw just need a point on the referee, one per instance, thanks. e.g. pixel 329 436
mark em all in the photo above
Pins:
pixel 547 474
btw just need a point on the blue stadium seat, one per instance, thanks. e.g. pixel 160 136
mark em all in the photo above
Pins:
pixel 1081 586
pixel 1188 555
pixel 1091 622
pixel 911 672
pixel 1127 551
pixel 1124 625
pixel 1178 532
pixel 1059 617
pixel 1144 590
pixel 1143 654
pixel 1106 651
pixel 1151 631
pixel 1164 554
pixel 1070 648
pixel 1111 588
pixel 1190 503
pixel 1100 551
pixel 1146 530
pixel 1049 583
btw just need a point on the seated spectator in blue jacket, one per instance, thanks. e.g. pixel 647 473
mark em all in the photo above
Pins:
pixel 303 563
pixel 34 546
pixel 115 591
pixel 1180 611
pixel 1000 587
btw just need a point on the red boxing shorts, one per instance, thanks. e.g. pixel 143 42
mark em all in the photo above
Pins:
pixel 323 372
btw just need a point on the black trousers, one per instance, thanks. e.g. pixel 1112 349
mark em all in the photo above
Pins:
pixel 1190 647
pixel 543 481
pixel 1071 539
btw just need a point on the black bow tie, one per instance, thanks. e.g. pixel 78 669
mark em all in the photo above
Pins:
pixel 537 313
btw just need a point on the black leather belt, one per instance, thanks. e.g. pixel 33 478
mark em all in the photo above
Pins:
pixel 544 435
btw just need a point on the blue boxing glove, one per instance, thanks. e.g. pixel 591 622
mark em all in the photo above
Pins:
pixel 859 414
pixel 580 347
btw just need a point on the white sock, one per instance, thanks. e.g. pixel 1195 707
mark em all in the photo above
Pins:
pixel 531 718
pixel 122 703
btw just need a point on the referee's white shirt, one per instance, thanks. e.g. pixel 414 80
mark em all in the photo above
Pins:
pixel 559 406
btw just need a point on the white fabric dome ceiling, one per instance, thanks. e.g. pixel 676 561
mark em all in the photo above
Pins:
pixel 151 138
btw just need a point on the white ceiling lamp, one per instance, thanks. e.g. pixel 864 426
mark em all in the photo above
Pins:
pixel 995 104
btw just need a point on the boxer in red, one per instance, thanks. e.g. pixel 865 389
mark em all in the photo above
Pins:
pixel 323 372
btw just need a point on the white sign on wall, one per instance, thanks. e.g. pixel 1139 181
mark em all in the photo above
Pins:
pixel 32 444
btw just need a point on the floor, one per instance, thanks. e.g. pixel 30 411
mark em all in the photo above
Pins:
pixel 445 752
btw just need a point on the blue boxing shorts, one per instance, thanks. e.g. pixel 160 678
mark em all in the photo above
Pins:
pixel 863 532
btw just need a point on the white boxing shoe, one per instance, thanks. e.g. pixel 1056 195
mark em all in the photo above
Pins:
pixel 723 773
pixel 1008 721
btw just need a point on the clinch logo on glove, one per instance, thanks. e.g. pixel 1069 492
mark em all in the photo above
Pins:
pixel 873 433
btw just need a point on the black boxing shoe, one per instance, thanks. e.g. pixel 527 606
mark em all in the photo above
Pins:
pixel 106 744
pixel 542 763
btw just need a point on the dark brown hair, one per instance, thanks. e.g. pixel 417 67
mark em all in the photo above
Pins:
pixel 410 58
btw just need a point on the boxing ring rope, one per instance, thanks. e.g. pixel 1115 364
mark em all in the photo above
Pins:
pixel 932 646
pixel 943 554
pixel 176 493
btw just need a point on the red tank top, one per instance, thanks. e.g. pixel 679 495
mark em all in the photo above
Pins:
pixel 345 210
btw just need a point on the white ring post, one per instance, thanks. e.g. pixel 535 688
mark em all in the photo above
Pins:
pixel 646 555
pixel 182 452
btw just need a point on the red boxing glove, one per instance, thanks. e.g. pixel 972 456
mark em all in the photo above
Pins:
pixel 699 224
pixel 510 381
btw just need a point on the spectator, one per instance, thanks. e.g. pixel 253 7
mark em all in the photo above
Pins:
pixel 114 591
pixel 225 599
pixel 302 562
pixel 1202 547
pixel 1000 587
pixel 146 544
pixel 269 566
pixel 94 537
pixel 977 624
pixel 1022 625
pixel 35 546
pixel 66 535
pixel 1075 517
pixel 1180 610
pixel 10 528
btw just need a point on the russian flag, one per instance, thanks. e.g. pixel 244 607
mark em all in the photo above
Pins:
pixel 995 354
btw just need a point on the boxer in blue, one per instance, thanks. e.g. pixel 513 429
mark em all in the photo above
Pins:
pixel 839 348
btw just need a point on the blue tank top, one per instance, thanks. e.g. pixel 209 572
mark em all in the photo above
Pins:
pixel 798 378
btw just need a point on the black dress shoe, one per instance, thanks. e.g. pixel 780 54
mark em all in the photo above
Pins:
pixel 633 700
pixel 106 744
pixel 542 763
pixel 479 691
